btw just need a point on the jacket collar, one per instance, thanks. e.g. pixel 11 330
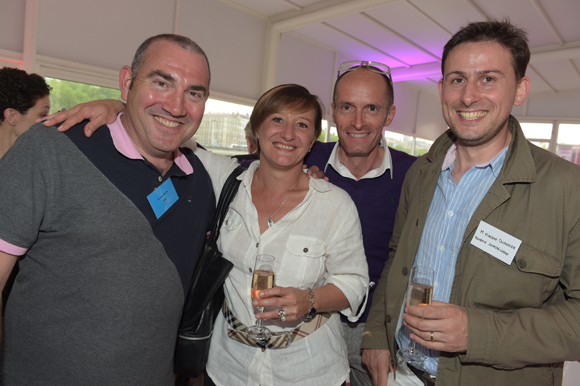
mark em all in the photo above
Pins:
pixel 518 166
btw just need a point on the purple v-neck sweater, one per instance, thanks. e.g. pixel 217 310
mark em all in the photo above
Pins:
pixel 376 200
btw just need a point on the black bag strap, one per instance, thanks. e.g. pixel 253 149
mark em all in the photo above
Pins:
pixel 227 195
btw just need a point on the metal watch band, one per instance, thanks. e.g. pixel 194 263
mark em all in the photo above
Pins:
pixel 312 311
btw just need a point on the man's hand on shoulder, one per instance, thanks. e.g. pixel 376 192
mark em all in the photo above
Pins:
pixel 315 172
pixel 378 362
pixel 102 112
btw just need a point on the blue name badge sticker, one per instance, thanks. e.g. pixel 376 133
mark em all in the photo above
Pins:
pixel 163 198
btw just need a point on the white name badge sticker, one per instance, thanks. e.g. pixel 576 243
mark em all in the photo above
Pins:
pixel 496 242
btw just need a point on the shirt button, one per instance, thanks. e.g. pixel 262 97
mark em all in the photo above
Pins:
pixel 450 213
pixel 522 263
pixel 257 245
pixel 404 271
pixel 388 318
pixel 250 269
pixel 441 249
pixel 305 250
pixel 160 178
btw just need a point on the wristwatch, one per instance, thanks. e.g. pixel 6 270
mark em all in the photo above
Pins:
pixel 312 312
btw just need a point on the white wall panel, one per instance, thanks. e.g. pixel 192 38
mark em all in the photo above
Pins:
pixel 556 106
pixel 341 58
pixel 234 42
pixel 518 111
pixel 104 33
pixel 378 37
pixel 12 24
pixel 560 74
pixel 406 101
pixel 338 41
pixel 523 14
pixel 403 18
pixel 307 64
pixel 430 122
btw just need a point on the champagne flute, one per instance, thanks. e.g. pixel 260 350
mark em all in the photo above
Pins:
pixel 262 279
pixel 419 293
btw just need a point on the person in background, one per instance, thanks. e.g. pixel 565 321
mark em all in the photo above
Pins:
pixel 252 145
pixel 24 98
pixel 498 220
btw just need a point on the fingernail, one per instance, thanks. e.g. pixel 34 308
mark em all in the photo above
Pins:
pixel 256 303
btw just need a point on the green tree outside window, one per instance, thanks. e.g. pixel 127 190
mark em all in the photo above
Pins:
pixel 66 94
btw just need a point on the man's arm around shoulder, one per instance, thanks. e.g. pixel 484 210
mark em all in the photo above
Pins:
pixel 219 167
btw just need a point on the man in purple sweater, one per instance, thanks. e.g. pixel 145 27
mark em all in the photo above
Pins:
pixel 362 164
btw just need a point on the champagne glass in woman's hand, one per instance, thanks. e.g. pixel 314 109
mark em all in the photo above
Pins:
pixel 419 293
pixel 263 279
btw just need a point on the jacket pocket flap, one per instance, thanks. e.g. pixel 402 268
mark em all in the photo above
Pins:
pixel 531 260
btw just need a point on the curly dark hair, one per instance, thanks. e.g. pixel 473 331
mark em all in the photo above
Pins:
pixel 20 91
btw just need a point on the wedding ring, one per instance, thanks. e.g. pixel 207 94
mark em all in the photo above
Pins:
pixel 282 315
pixel 431 336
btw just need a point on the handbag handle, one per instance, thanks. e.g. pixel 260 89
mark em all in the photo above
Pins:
pixel 227 195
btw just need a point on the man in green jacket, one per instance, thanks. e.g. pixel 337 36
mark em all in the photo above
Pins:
pixel 498 220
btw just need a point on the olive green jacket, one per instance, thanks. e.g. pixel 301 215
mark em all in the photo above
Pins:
pixel 523 319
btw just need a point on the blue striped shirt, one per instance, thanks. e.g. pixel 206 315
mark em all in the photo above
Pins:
pixel 451 208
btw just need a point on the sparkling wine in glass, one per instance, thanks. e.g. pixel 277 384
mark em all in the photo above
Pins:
pixel 419 293
pixel 262 279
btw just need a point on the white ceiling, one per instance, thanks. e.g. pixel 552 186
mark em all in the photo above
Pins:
pixel 409 35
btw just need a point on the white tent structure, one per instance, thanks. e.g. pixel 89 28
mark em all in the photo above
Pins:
pixel 255 44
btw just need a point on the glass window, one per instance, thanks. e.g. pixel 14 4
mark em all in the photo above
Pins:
pixel 223 124
pixel 537 130
pixel 569 134
pixel 543 145
pixel 67 94
pixel 399 141
pixel 333 133
pixel 570 153
pixel 222 127
pixel 422 146
pixel 215 106
pixel 569 142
